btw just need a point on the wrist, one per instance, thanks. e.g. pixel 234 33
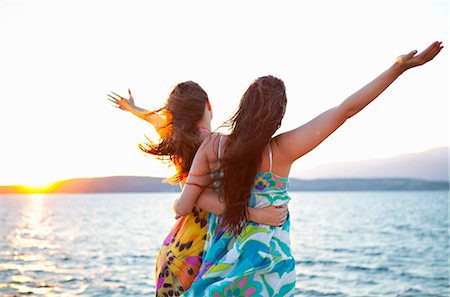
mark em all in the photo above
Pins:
pixel 398 67
pixel 252 215
pixel 126 105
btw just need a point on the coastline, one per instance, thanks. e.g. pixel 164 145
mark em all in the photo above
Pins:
pixel 140 184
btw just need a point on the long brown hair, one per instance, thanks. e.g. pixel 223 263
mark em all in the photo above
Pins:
pixel 180 141
pixel 260 112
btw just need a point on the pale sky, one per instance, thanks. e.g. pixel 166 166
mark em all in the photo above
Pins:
pixel 59 59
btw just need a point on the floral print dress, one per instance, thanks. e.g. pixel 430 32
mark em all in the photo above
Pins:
pixel 180 256
pixel 257 262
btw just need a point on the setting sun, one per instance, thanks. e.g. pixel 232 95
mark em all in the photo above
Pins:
pixel 38 187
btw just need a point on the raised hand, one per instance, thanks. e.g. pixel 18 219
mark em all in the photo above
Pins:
pixel 121 102
pixel 411 60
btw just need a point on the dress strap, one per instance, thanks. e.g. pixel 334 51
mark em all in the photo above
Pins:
pixel 270 158
pixel 218 149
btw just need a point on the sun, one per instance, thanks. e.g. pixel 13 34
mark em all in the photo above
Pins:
pixel 38 187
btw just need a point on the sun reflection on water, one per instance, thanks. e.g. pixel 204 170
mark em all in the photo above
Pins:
pixel 33 231
pixel 31 236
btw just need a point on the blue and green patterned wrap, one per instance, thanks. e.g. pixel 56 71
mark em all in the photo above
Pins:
pixel 257 262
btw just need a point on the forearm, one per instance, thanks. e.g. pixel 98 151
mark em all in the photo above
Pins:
pixel 209 201
pixel 196 183
pixel 356 102
pixel 137 111
pixel 253 216
pixel 153 118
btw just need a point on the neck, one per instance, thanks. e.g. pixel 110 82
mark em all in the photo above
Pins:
pixel 204 125
pixel 204 129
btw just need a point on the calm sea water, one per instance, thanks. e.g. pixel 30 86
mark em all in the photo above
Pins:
pixel 345 244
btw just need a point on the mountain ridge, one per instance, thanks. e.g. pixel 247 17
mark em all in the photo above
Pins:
pixel 427 170
pixel 140 184
pixel 428 165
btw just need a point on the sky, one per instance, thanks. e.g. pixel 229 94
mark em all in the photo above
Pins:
pixel 59 59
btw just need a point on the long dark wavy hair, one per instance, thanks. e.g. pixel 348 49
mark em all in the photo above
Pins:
pixel 181 138
pixel 260 112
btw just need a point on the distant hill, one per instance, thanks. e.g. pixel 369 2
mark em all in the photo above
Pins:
pixel 372 184
pixel 136 184
pixel 428 165
pixel 110 184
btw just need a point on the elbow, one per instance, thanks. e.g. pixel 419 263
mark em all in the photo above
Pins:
pixel 350 113
pixel 182 212
pixel 217 210
pixel 180 209
pixel 346 112
pixel 347 116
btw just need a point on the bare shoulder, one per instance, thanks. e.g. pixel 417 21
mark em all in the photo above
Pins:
pixel 281 162
pixel 210 145
pixel 277 142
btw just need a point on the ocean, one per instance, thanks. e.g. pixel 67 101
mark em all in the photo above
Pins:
pixel 344 243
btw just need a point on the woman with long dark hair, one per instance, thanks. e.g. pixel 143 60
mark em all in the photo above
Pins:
pixel 243 258
pixel 182 124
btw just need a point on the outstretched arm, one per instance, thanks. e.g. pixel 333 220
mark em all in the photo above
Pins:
pixel 300 141
pixel 128 105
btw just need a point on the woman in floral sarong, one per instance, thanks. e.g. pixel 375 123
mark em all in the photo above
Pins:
pixel 244 258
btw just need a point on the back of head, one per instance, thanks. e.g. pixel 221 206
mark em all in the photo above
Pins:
pixel 182 112
pixel 260 112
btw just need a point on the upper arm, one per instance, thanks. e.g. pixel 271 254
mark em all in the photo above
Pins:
pixel 197 181
pixel 300 141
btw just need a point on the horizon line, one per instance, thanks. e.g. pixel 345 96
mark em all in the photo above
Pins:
pixel 293 177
